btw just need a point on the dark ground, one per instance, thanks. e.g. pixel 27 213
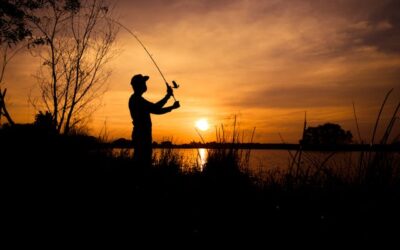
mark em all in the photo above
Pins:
pixel 61 190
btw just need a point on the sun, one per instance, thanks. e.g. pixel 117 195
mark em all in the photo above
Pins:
pixel 202 124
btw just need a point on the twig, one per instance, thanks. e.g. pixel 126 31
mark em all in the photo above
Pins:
pixel 358 128
pixel 379 115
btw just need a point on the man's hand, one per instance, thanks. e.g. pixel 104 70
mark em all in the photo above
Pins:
pixel 176 105
pixel 170 92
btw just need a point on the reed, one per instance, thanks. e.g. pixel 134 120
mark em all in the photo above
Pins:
pixel 377 169
pixel 228 162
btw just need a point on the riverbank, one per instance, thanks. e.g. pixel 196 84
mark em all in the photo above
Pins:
pixel 64 189
pixel 124 143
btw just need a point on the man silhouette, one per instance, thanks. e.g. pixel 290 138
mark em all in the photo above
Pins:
pixel 140 110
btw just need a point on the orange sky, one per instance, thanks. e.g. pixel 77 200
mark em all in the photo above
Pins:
pixel 267 62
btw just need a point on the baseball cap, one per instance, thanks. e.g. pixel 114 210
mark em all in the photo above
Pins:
pixel 138 79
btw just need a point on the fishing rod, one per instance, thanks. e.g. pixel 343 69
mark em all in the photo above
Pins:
pixel 175 85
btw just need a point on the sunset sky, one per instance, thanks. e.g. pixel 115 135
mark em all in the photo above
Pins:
pixel 265 61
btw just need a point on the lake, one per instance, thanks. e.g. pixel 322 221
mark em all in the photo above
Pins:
pixel 192 157
pixel 264 160
pixel 259 158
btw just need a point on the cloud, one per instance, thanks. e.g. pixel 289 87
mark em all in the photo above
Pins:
pixel 253 57
pixel 384 28
pixel 307 96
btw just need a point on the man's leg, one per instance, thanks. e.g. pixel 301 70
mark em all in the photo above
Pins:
pixel 147 155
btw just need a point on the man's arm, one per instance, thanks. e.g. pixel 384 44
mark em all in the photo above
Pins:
pixel 163 101
pixel 155 109
pixel 162 110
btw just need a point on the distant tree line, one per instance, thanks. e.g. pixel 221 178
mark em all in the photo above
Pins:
pixel 326 134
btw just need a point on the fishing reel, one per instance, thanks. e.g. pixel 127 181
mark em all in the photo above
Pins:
pixel 175 85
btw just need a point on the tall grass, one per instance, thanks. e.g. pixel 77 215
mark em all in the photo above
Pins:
pixel 168 159
pixel 228 162
pixel 377 169
pixel 380 169
pixel 367 169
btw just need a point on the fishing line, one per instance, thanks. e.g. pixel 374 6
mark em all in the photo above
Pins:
pixel 175 85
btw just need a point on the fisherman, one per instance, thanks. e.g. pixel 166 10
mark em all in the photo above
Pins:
pixel 140 110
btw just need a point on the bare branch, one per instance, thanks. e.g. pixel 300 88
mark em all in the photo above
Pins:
pixel 78 47
pixel 3 108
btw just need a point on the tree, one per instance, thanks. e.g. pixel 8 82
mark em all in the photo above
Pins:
pixel 13 20
pixel 45 121
pixel 13 31
pixel 3 108
pixel 326 134
pixel 78 39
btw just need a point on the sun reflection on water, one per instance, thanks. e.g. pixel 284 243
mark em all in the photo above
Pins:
pixel 201 157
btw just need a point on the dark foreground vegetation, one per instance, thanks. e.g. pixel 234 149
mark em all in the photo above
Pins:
pixel 67 188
